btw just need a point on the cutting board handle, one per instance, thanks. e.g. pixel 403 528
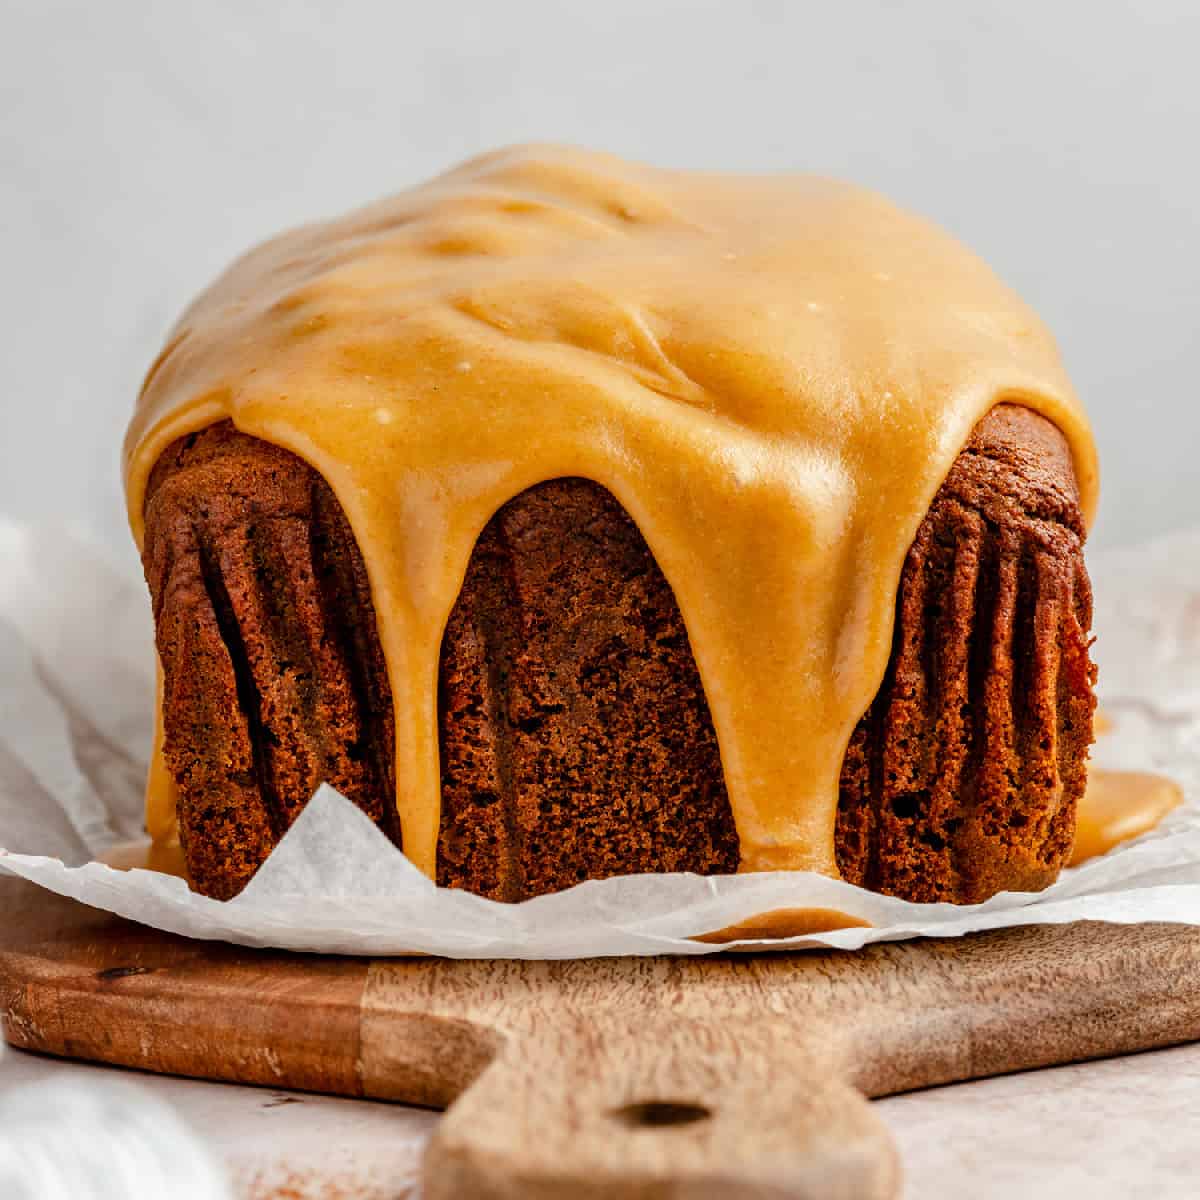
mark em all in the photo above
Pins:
pixel 685 1109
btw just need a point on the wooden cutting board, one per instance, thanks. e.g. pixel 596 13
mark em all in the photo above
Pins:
pixel 730 1076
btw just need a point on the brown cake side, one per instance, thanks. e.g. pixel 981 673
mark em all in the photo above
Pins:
pixel 272 676
pixel 575 738
pixel 963 777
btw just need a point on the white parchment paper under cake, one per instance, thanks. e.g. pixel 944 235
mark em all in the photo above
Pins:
pixel 76 695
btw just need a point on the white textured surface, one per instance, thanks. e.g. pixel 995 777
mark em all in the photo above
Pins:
pixel 274 1145
pixel 143 145
pixel 67 1135
pixel 1121 1129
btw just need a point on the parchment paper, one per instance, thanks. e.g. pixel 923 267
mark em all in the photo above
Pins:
pixel 76 690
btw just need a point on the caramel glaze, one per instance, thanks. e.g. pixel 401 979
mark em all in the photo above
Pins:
pixel 1119 806
pixel 784 923
pixel 161 854
pixel 772 373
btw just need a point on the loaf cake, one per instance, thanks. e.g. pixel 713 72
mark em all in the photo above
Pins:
pixel 576 519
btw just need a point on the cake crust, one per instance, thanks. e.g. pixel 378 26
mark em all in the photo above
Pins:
pixel 575 738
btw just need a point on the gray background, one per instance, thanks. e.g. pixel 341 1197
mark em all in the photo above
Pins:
pixel 141 146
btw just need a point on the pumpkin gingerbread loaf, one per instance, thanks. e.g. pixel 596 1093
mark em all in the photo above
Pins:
pixel 575 517
pixel 575 738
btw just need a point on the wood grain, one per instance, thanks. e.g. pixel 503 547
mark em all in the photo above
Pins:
pixel 724 1076
pixel 84 984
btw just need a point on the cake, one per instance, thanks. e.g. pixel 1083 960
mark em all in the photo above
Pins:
pixel 577 519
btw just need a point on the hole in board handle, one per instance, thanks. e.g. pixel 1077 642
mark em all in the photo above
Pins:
pixel 651 1114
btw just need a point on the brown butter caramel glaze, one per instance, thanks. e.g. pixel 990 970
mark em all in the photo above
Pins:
pixel 1119 806
pixel 575 738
